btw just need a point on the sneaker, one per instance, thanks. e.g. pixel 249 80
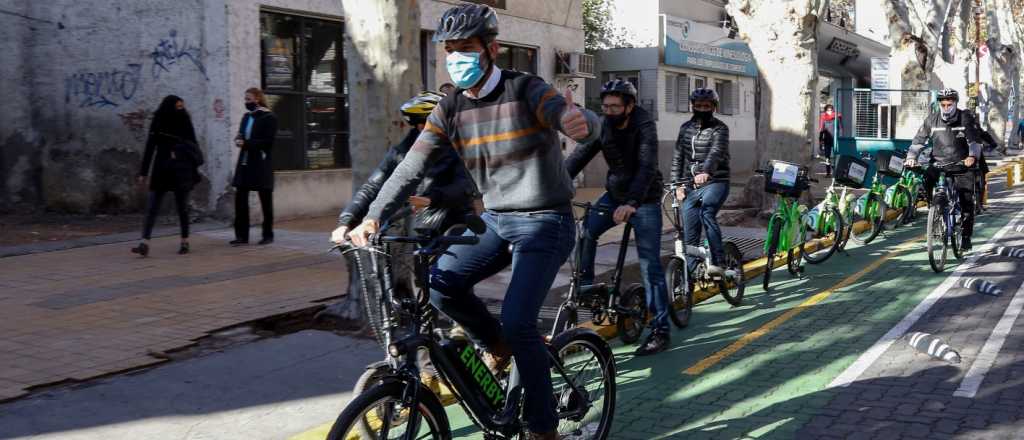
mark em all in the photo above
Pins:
pixel 183 249
pixel 238 242
pixel 142 249
pixel 266 241
pixel 656 342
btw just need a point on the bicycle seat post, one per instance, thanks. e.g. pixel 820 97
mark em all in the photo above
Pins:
pixel 621 261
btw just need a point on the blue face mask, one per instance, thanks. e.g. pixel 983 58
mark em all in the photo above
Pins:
pixel 464 68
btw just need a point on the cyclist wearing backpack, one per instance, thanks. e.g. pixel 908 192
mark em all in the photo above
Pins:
pixel 629 143
pixel 505 127
pixel 954 137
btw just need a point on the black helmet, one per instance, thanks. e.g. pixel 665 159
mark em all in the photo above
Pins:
pixel 467 21
pixel 621 87
pixel 946 94
pixel 703 94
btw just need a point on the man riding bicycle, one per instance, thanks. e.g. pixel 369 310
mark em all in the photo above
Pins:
pixel 444 196
pixel 701 161
pixel 955 140
pixel 505 127
pixel 629 143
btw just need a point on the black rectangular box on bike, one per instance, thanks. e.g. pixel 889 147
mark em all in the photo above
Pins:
pixel 785 178
pixel 851 171
pixel 890 162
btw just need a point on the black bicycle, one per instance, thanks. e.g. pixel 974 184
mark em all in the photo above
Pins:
pixel 608 302
pixel 399 405
pixel 945 219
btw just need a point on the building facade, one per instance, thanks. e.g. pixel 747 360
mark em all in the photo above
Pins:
pixel 76 132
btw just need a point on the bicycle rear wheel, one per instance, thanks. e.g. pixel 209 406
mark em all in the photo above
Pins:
pixel 630 319
pixel 903 205
pixel 936 231
pixel 585 395
pixel 680 293
pixel 830 229
pixel 381 408
pixel 954 239
pixel 732 289
pixel 874 214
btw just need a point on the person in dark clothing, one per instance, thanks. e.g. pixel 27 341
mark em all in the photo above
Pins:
pixel 701 163
pixel 956 145
pixel 629 144
pixel 255 171
pixel 174 154
pixel 826 134
pixel 442 199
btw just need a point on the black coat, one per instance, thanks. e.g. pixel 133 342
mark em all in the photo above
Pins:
pixel 174 153
pixel 255 169
pixel 701 148
pixel 632 157
pixel 951 140
pixel 446 183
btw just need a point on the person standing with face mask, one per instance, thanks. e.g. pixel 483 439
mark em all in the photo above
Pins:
pixel 629 143
pixel 826 134
pixel 701 163
pixel 254 170
pixel 174 153
pixel 504 125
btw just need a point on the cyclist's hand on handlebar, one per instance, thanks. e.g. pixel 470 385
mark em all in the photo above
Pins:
pixel 360 236
pixel 910 163
pixel 970 161
pixel 622 213
pixel 419 203
pixel 701 179
pixel 680 192
pixel 338 235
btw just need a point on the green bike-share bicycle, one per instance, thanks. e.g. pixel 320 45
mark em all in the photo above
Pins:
pixel 871 209
pixel 850 173
pixel 788 225
pixel 903 196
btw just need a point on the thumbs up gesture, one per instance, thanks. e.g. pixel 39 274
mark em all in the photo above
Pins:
pixel 574 124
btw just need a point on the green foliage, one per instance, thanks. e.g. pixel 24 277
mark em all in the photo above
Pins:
pixel 598 26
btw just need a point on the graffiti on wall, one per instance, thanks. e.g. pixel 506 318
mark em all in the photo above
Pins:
pixel 136 122
pixel 218 108
pixel 106 88
pixel 172 51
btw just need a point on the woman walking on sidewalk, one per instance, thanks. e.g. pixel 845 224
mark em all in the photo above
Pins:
pixel 174 153
pixel 255 171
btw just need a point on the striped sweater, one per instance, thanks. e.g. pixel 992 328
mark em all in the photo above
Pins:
pixel 507 140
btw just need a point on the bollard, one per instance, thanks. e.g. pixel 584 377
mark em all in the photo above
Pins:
pixel 1011 252
pixel 932 346
pixel 982 286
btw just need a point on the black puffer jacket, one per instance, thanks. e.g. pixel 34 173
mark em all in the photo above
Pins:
pixel 951 140
pixel 632 157
pixel 446 183
pixel 701 148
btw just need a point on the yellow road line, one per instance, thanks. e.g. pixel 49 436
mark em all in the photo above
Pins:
pixel 710 361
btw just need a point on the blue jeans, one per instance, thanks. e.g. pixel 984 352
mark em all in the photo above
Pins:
pixel 536 244
pixel 647 225
pixel 700 208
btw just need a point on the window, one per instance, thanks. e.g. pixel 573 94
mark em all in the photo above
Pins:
pixel 699 82
pixel 727 97
pixel 304 79
pixel 523 59
pixel 677 93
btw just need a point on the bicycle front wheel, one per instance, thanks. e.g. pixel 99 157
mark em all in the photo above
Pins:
pixel 902 204
pixel 680 293
pixel 829 239
pixel 772 249
pixel 874 215
pixel 936 231
pixel 732 288
pixel 585 393
pixel 381 409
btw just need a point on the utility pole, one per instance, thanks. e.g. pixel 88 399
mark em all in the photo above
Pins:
pixel 977 53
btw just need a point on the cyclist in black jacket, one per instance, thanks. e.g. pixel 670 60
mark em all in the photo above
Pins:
pixel 444 196
pixel 954 137
pixel 702 159
pixel 629 143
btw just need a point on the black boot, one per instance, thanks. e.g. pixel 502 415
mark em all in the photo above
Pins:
pixel 183 249
pixel 656 342
pixel 142 249
pixel 965 244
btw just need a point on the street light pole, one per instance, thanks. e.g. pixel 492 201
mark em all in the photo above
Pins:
pixel 977 53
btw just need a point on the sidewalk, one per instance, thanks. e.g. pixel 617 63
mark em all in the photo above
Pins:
pixel 85 312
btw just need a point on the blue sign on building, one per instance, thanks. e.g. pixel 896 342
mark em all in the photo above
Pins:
pixel 699 46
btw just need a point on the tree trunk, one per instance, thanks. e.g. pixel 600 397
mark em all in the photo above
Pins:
pixel 782 36
pixel 1005 46
pixel 383 70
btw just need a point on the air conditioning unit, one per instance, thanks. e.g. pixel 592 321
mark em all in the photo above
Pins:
pixel 574 65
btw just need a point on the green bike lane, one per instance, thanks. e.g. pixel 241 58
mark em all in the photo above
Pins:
pixel 761 370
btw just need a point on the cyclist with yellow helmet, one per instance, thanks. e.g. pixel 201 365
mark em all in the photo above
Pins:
pixel 443 197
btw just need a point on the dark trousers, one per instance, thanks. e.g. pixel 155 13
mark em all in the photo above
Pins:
pixel 536 245
pixel 153 209
pixel 700 210
pixel 242 213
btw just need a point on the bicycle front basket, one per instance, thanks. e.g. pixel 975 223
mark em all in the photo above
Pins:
pixel 785 178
